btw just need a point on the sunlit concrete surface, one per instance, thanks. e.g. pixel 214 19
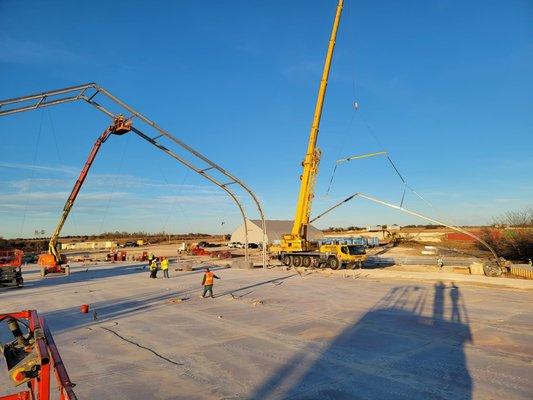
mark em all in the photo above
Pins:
pixel 276 334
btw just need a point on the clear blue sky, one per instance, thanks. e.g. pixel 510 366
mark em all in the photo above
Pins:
pixel 445 85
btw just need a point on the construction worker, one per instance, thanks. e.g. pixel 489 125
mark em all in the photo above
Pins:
pixel 207 282
pixel 164 266
pixel 153 269
pixel 151 258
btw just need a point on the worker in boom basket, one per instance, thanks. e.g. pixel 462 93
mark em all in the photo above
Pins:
pixel 207 282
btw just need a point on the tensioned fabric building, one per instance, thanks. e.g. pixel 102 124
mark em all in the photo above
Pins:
pixel 275 229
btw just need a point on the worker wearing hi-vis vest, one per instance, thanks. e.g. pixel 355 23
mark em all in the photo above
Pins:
pixel 153 269
pixel 208 283
pixel 164 267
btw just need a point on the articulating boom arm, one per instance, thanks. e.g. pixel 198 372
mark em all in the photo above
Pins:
pixel 312 157
pixel 119 127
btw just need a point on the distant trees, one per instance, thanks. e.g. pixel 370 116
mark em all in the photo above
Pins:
pixel 428 226
pixel 41 244
pixel 515 240
pixel 28 245
pixel 341 229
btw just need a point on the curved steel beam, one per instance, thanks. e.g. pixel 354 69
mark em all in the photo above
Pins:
pixel 405 210
pixel 88 93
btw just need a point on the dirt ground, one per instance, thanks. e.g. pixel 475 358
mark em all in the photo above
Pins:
pixel 276 334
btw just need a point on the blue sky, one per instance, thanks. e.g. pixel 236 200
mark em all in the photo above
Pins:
pixel 446 86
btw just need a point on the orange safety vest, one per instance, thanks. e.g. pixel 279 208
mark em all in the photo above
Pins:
pixel 208 278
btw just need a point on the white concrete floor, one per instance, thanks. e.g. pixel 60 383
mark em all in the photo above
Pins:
pixel 284 336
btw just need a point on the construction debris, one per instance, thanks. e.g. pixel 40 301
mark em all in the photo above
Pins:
pixel 178 299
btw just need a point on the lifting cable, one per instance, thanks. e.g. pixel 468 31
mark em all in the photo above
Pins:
pixel 393 165
pixel 349 14
pixel 56 145
pixel 379 143
pixel 113 189
pixel 32 173
pixel 175 200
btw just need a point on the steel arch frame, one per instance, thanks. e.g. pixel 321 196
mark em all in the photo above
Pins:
pixel 88 92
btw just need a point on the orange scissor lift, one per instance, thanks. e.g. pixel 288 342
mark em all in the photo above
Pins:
pixel 32 357
pixel 10 268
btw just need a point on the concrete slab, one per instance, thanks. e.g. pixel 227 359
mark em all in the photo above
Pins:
pixel 275 334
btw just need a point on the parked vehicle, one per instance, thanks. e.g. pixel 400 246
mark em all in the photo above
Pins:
pixel 236 245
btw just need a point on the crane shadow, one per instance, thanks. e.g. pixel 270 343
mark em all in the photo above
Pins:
pixel 395 351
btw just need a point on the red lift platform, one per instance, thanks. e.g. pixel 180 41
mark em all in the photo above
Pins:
pixel 32 357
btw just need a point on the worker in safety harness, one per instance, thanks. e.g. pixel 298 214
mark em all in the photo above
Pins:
pixel 164 267
pixel 207 282
pixel 153 268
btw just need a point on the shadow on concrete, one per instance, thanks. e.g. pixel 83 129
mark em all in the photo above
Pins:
pixel 71 318
pixel 393 352
pixel 82 274
pixel 85 274
pixel 239 289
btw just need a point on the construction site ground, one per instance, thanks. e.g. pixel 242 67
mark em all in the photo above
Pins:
pixel 376 333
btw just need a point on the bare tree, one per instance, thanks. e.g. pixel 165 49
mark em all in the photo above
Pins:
pixel 520 219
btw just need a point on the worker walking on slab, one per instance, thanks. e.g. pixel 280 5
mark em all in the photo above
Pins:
pixel 207 282
pixel 164 267
pixel 153 269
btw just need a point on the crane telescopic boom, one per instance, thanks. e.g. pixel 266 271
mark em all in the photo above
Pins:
pixel 297 239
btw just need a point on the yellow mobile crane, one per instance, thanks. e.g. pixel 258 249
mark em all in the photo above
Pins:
pixel 294 248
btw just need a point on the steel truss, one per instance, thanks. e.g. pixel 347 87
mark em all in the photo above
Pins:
pixel 199 163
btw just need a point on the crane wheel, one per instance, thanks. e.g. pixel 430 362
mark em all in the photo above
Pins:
pixel 296 261
pixel 286 260
pixel 306 261
pixel 333 262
